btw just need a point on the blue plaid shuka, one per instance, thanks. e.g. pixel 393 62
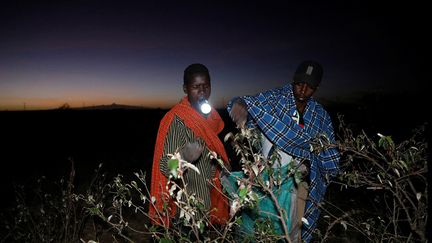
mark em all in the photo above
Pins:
pixel 272 112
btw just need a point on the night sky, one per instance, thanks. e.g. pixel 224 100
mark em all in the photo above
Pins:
pixel 88 53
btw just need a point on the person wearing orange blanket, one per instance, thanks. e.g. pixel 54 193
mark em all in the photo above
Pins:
pixel 187 130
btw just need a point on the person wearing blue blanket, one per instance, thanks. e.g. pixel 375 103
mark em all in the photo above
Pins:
pixel 292 123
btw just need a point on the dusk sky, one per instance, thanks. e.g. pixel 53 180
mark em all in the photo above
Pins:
pixel 88 53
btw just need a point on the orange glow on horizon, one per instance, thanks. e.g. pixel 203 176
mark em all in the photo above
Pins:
pixel 54 103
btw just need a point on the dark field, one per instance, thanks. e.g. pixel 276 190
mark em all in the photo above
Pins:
pixel 43 143
pixel 36 143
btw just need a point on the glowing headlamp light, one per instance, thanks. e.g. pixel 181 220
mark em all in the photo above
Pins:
pixel 204 106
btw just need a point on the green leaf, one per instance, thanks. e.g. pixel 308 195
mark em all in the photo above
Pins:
pixel 381 142
pixel 386 142
pixel 153 228
pixel 255 197
pixel 297 177
pixel 94 211
pixel 389 141
pixel 165 240
pixel 403 164
pixel 242 193
pixel 173 165
pixel 201 227
pixel 239 221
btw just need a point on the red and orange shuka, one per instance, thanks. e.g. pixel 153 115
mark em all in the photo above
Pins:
pixel 206 129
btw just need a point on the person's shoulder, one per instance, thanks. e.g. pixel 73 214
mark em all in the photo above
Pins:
pixel 318 105
pixel 319 108
pixel 285 89
pixel 281 90
pixel 178 120
pixel 172 117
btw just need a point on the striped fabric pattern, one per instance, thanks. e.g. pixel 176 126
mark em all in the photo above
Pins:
pixel 177 137
pixel 202 128
pixel 272 111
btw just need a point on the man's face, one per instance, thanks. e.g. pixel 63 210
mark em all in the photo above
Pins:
pixel 198 87
pixel 302 91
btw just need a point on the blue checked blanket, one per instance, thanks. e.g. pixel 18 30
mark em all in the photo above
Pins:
pixel 273 113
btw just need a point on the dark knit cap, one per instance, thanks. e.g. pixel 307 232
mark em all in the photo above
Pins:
pixel 309 72
pixel 194 69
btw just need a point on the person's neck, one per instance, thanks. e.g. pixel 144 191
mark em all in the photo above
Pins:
pixel 301 105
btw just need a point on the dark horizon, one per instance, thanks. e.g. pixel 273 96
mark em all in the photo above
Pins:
pixel 356 99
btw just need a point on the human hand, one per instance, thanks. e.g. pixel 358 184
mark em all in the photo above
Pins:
pixel 304 168
pixel 192 151
pixel 239 113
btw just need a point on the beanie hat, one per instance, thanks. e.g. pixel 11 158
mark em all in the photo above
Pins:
pixel 309 72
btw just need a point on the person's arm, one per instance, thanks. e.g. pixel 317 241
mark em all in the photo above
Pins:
pixel 286 134
pixel 329 158
pixel 238 109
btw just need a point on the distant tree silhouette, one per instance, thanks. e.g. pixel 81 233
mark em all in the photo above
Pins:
pixel 65 106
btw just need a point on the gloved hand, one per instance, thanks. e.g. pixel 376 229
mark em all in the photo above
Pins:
pixel 239 113
pixel 192 151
